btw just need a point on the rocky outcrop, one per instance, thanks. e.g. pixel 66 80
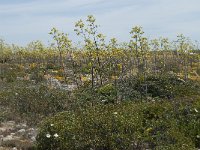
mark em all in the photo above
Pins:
pixel 17 136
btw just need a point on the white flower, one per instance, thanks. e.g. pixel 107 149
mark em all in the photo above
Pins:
pixel 103 100
pixel 198 136
pixel 51 125
pixel 115 113
pixel 48 135
pixel 55 135
pixel 16 94
pixel 196 110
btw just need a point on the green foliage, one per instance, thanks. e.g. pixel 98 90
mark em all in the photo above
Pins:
pixel 50 66
pixel 124 126
pixel 188 120
pixel 127 88
pixel 87 95
pixel 106 111
pixel 162 86
pixel 35 102
pixel 10 72
pixel 5 114
pixel 135 88
pixel 108 93
pixel 10 76
pixel 37 76
pixel 42 101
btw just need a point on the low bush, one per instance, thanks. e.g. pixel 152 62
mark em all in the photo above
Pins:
pixel 135 88
pixel 124 126
pixel 32 103
pixel 162 86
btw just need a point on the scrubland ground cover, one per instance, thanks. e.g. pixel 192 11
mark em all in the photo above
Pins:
pixel 142 94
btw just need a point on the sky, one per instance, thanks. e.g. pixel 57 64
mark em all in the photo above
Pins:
pixel 23 21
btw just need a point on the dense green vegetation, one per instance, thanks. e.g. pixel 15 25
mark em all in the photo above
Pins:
pixel 142 94
pixel 152 125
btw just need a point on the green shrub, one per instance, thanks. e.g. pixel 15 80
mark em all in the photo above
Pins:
pixel 40 101
pixel 114 127
pixel 10 76
pixel 50 66
pixel 188 120
pixel 163 86
pixel 134 88
pixel 126 87
pixel 86 96
pixel 32 103
pixel 107 93
pixel 10 72
pixel 37 74
pixel 91 96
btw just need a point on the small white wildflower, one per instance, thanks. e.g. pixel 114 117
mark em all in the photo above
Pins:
pixel 196 110
pixel 48 135
pixel 16 94
pixel 55 135
pixel 51 125
pixel 115 113
pixel 103 101
pixel 198 136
